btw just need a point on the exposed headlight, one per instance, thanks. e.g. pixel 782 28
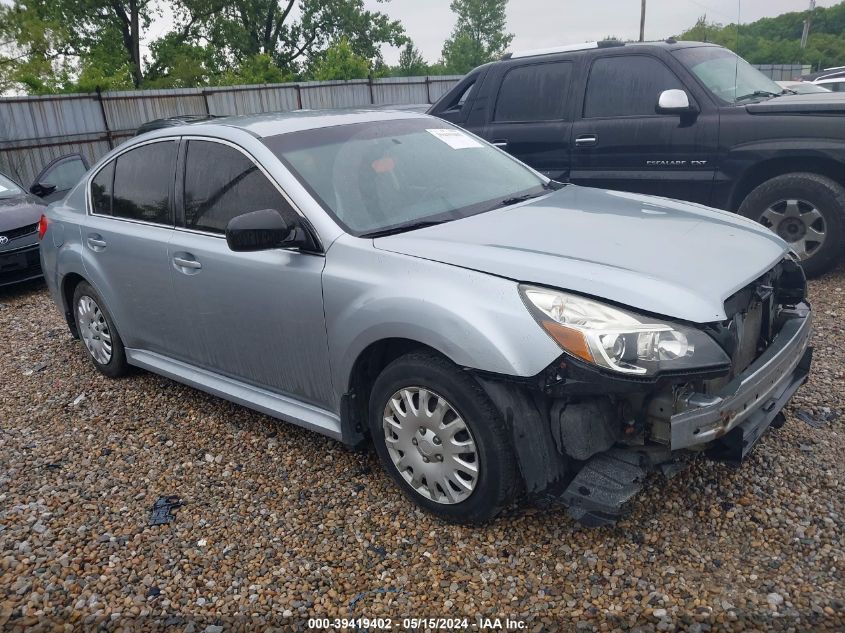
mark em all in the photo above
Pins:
pixel 620 340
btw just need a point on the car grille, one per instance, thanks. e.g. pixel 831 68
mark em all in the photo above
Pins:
pixel 20 232
pixel 19 265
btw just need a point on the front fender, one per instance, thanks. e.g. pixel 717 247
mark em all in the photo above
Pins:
pixel 474 319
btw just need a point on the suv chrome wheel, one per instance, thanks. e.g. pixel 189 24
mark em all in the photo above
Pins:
pixel 94 329
pixel 798 222
pixel 430 445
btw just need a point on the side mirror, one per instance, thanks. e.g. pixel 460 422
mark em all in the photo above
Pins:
pixel 41 190
pixel 674 102
pixel 263 230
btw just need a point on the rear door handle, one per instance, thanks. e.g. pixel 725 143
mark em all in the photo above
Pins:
pixel 96 242
pixel 500 144
pixel 587 140
pixel 186 264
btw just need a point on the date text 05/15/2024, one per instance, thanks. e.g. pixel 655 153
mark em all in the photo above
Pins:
pixel 442 624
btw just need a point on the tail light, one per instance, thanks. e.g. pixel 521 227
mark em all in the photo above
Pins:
pixel 42 226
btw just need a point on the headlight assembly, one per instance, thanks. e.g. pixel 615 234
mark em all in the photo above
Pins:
pixel 620 340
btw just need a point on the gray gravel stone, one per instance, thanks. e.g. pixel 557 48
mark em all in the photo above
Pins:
pixel 286 535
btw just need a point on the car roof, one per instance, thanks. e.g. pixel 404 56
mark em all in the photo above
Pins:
pixel 604 45
pixel 275 123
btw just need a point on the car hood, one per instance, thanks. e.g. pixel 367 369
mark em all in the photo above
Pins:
pixel 662 256
pixel 20 211
pixel 812 103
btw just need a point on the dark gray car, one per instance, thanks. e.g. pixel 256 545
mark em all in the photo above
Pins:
pixel 384 276
pixel 20 212
pixel 19 215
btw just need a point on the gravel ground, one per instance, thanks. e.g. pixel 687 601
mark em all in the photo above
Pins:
pixel 280 524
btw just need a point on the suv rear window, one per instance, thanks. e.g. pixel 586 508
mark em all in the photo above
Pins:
pixel 534 93
pixel 627 86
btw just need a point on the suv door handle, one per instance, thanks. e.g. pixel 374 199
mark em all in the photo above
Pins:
pixel 500 144
pixel 96 242
pixel 587 140
pixel 185 263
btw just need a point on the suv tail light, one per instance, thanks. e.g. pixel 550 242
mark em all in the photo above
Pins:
pixel 42 226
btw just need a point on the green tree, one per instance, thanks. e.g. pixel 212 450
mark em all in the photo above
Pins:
pixel 340 62
pixel 479 35
pixel 259 69
pixel 777 40
pixel 179 64
pixel 54 39
pixel 293 33
pixel 411 62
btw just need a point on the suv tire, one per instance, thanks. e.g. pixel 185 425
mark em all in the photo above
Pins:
pixel 816 197
pixel 431 379
pixel 97 331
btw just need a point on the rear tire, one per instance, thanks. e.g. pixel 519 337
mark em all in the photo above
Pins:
pixel 425 382
pixel 97 331
pixel 808 211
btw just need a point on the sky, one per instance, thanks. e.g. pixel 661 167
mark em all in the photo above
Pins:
pixel 543 23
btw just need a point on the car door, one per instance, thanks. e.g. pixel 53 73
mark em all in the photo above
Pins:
pixel 59 177
pixel 125 238
pixel 253 316
pixel 530 116
pixel 620 142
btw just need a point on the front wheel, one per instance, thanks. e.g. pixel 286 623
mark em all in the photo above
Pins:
pixel 807 211
pixel 442 440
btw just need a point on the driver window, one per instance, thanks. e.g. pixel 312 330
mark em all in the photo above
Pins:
pixel 222 183
pixel 627 86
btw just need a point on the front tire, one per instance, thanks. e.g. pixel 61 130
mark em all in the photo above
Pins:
pixel 97 331
pixel 441 439
pixel 808 211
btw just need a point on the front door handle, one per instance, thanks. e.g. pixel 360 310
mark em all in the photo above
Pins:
pixel 186 264
pixel 96 242
pixel 587 140
pixel 501 144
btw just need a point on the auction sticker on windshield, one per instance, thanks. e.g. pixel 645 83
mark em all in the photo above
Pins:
pixel 455 138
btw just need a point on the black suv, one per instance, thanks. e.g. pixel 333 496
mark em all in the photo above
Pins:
pixel 683 120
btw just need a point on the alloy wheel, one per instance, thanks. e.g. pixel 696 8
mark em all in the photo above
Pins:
pixel 798 222
pixel 431 445
pixel 94 329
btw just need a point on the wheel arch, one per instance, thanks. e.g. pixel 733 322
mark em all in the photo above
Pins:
pixel 68 285
pixel 771 168
pixel 369 363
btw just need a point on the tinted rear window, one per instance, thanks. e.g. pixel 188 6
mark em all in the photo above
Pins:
pixel 101 190
pixel 142 181
pixel 534 93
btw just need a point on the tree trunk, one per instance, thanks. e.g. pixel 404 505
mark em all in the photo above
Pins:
pixel 135 36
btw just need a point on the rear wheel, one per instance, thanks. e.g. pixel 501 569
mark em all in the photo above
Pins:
pixel 441 439
pixel 97 331
pixel 807 211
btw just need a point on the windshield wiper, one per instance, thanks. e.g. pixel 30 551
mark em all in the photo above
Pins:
pixel 756 93
pixel 402 228
pixel 517 199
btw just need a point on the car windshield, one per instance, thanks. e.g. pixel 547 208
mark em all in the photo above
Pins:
pixel 390 176
pixel 729 77
pixel 8 189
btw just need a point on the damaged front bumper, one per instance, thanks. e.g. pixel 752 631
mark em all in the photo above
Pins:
pixel 744 408
pixel 611 432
